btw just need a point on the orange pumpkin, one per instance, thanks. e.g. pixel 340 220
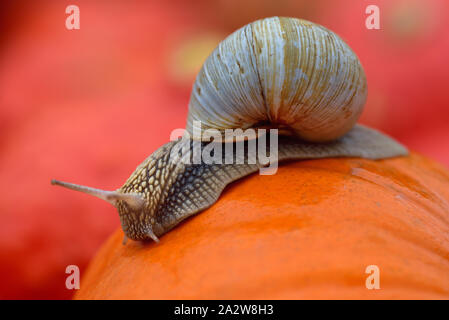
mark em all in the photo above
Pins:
pixel 309 231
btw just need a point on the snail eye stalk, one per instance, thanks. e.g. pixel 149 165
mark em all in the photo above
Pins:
pixel 135 201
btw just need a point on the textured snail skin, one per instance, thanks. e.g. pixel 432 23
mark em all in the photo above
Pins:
pixel 173 191
pixel 281 73
pixel 286 72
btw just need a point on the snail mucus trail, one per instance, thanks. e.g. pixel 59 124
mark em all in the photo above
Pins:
pixel 277 72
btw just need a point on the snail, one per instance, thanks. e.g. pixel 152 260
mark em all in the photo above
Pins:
pixel 276 73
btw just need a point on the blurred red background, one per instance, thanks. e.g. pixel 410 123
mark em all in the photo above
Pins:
pixel 89 105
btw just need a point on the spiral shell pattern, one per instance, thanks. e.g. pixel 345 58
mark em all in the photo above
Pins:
pixel 280 72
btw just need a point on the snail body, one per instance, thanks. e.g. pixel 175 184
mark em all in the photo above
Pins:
pixel 281 73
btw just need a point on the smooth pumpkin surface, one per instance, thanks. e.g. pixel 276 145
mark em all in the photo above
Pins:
pixel 308 231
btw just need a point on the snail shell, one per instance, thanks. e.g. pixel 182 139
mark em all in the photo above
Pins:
pixel 286 73
pixel 283 73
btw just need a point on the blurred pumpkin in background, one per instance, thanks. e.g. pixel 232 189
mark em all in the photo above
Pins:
pixel 309 231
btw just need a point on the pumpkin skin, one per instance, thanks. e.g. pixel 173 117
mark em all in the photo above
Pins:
pixel 307 232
